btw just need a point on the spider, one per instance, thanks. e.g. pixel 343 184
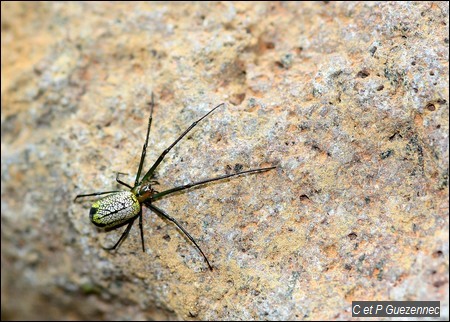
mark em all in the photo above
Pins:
pixel 124 207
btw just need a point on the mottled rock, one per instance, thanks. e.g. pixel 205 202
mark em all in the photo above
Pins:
pixel 348 99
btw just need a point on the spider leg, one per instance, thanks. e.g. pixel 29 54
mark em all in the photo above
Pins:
pixel 121 182
pixel 161 157
pixel 142 230
pixel 144 148
pixel 165 215
pixel 190 185
pixel 124 235
pixel 95 194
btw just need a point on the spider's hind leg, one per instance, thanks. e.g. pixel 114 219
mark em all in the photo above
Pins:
pixel 94 194
pixel 123 236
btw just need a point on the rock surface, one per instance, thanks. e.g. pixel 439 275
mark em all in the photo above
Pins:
pixel 349 100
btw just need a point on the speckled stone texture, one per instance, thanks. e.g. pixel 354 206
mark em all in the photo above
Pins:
pixel 349 100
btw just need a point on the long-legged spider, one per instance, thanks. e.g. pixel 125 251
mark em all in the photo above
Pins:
pixel 121 207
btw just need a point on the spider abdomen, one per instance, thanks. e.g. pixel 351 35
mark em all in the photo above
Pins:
pixel 114 209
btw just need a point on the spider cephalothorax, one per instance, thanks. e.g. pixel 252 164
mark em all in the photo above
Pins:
pixel 144 192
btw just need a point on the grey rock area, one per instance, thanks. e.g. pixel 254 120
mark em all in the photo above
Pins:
pixel 348 99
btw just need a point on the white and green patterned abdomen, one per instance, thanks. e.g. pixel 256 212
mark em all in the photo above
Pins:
pixel 114 209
